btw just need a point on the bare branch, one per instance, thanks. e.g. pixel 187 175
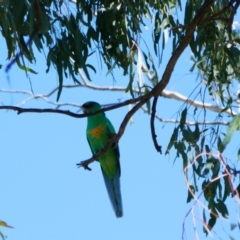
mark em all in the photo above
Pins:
pixel 44 110
pixel 163 120
pixel 165 93
pixel 153 132
pixel 195 103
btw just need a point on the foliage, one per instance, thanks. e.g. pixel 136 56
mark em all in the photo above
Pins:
pixel 114 29
pixel 214 170
pixel 72 32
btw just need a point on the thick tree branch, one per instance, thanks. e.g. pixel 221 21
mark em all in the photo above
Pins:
pixel 181 47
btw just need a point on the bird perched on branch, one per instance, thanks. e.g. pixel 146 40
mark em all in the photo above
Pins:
pixel 99 132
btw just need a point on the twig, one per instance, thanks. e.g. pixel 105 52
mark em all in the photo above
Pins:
pixel 219 13
pixel 153 132
pixel 195 103
pixel 166 120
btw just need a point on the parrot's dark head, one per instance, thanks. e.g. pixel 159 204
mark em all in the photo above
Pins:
pixel 90 107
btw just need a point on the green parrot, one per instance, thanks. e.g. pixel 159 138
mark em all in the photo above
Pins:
pixel 99 132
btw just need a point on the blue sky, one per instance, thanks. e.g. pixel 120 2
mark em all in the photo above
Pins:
pixel 45 196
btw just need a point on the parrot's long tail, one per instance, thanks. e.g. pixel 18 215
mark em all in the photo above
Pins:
pixel 114 193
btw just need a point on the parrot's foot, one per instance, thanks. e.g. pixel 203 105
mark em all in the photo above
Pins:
pixel 85 164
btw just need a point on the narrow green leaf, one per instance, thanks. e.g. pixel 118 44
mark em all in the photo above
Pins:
pixel 27 69
pixel 2 236
pixel 222 208
pixel 215 168
pixel 190 196
pixel 196 133
pixel 4 224
pixel 233 126
pixel 188 135
pixel 157 31
pixel 60 76
pixel 181 149
pixel 146 59
pixel 131 77
pixel 24 49
pixel 214 212
pixel 188 12
pixel 220 189
pixel 205 230
pixel 148 103
pixel 91 67
pixel 211 222
pixel 233 226
pixel 183 118
pixel 207 149
pixel 92 34
pixel 172 140
pixel 227 186
pixel 219 141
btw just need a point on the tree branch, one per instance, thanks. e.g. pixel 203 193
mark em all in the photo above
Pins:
pixel 219 13
pixel 20 110
pixel 187 122
pixel 195 103
pixel 165 93
pixel 181 47
pixel 154 136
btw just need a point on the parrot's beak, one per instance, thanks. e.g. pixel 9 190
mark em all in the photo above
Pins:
pixel 83 109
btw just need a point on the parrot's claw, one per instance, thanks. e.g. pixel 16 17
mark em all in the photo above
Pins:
pixel 84 164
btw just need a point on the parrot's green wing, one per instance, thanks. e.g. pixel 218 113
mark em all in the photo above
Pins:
pixel 111 132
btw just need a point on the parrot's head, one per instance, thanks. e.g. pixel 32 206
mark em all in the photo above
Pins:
pixel 90 107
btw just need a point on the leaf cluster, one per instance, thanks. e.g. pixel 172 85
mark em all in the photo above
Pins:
pixel 216 173
pixel 72 32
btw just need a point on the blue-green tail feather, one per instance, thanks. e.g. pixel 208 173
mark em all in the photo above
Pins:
pixel 114 192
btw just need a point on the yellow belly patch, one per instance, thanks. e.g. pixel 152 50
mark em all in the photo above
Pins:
pixel 97 131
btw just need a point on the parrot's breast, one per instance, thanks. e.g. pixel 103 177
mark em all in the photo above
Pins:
pixel 98 137
pixel 97 131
